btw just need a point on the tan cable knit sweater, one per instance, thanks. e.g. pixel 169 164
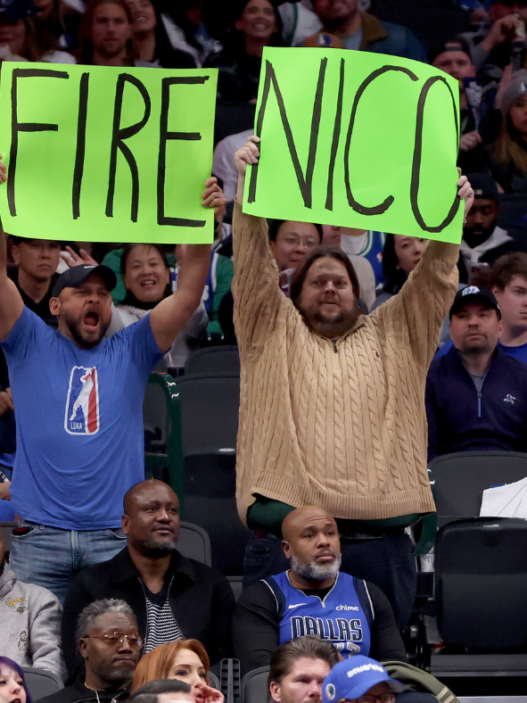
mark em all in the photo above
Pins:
pixel 343 430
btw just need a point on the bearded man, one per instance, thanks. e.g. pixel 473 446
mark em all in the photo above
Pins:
pixel 79 410
pixel 332 401
pixel 314 598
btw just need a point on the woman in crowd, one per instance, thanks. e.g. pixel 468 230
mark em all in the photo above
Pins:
pixel 12 683
pixel 28 38
pixel 400 256
pixel 257 25
pixel 509 152
pixel 150 39
pixel 185 660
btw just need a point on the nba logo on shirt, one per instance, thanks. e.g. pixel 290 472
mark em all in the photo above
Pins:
pixel 82 406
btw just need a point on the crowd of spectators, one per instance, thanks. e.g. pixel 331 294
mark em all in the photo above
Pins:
pixel 337 330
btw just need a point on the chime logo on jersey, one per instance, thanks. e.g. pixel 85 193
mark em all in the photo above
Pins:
pixel 82 406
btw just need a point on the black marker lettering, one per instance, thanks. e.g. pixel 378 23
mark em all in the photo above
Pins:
pixel 416 165
pixel 164 136
pixel 118 135
pixel 305 183
pixel 336 136
pixel 81 145
pixel 362 209
pixel 17 126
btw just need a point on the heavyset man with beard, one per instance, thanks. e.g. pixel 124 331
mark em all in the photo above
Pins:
pixel 314 598
pixel 332 402
pixel 79 400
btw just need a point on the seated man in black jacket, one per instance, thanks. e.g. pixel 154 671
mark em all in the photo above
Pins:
pixel 109 641
pixel 476 396
pixel 314 598
pixel 173 597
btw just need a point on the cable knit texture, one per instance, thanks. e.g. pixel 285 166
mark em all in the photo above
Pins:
pixel 343 430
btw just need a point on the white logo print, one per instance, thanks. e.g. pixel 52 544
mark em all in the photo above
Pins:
pixel 470 290
pixel 509 399
pixel 297 605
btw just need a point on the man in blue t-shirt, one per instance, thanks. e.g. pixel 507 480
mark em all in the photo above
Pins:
pixel 79 403
pixel 313 598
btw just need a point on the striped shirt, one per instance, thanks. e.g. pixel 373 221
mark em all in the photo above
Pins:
pixel 161 624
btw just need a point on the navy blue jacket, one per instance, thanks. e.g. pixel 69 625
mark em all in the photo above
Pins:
pixel 460 419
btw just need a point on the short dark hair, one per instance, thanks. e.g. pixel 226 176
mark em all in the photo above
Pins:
pixel 508 266
pixel 128 249
pixel 149 691
pixel 274 228
pixel 321 253
pixel 310 646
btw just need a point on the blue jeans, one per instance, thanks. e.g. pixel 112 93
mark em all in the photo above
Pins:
pixel 386 561
pixel 49 557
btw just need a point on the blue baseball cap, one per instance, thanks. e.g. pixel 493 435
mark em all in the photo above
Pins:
pixel 352 678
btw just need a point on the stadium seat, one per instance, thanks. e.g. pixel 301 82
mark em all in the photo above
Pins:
pixel 460 480
pixel 194 543
pixel 254 686
pixel 209 412
pixel 41 683
pixel 481 581
pixel 222 359
pixel 162 422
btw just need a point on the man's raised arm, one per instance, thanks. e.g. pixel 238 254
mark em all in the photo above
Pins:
pixel 257 295
pixel 169 317
pixel 11 304
pixel 419 310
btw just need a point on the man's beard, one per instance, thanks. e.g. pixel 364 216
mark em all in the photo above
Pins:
pixel 314 571
pixel 477 235
pixel 78 336
pixel 157 550
pixel 331 327
pixel 118 677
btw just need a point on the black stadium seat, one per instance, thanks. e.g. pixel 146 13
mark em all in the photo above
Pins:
pixel 209 410
pixel 213 360
pixel 460 480
pixel 254 686
pixel 41 683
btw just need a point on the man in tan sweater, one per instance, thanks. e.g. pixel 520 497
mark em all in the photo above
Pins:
pixel 332 402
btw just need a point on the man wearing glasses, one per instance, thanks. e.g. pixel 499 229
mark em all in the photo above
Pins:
pixel 109 642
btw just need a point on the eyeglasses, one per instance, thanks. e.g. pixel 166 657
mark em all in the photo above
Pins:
pixel 116 638
pixel 385 698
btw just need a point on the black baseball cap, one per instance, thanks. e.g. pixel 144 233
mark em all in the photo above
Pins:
pixel 454 44
pixel 484 186
pixel 73 277
pixel 474 294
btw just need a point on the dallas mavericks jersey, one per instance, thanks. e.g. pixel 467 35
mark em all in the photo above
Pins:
pixel 343 617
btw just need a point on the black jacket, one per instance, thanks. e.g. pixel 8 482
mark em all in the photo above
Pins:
pixel 78 693
pixel 201 599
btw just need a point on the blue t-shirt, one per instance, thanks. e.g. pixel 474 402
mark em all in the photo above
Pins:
pixel 519 353
pixel 338 617
pixel 79 413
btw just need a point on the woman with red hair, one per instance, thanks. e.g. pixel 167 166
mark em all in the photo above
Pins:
pixel 185 660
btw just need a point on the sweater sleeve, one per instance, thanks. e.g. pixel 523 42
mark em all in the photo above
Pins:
pixel 257 296
pixel 44 634
pixel 255 627
pixel 424 301
pixel 386 641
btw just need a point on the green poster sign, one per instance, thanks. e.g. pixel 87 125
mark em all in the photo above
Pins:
pixel 106 154
pixel 355 139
